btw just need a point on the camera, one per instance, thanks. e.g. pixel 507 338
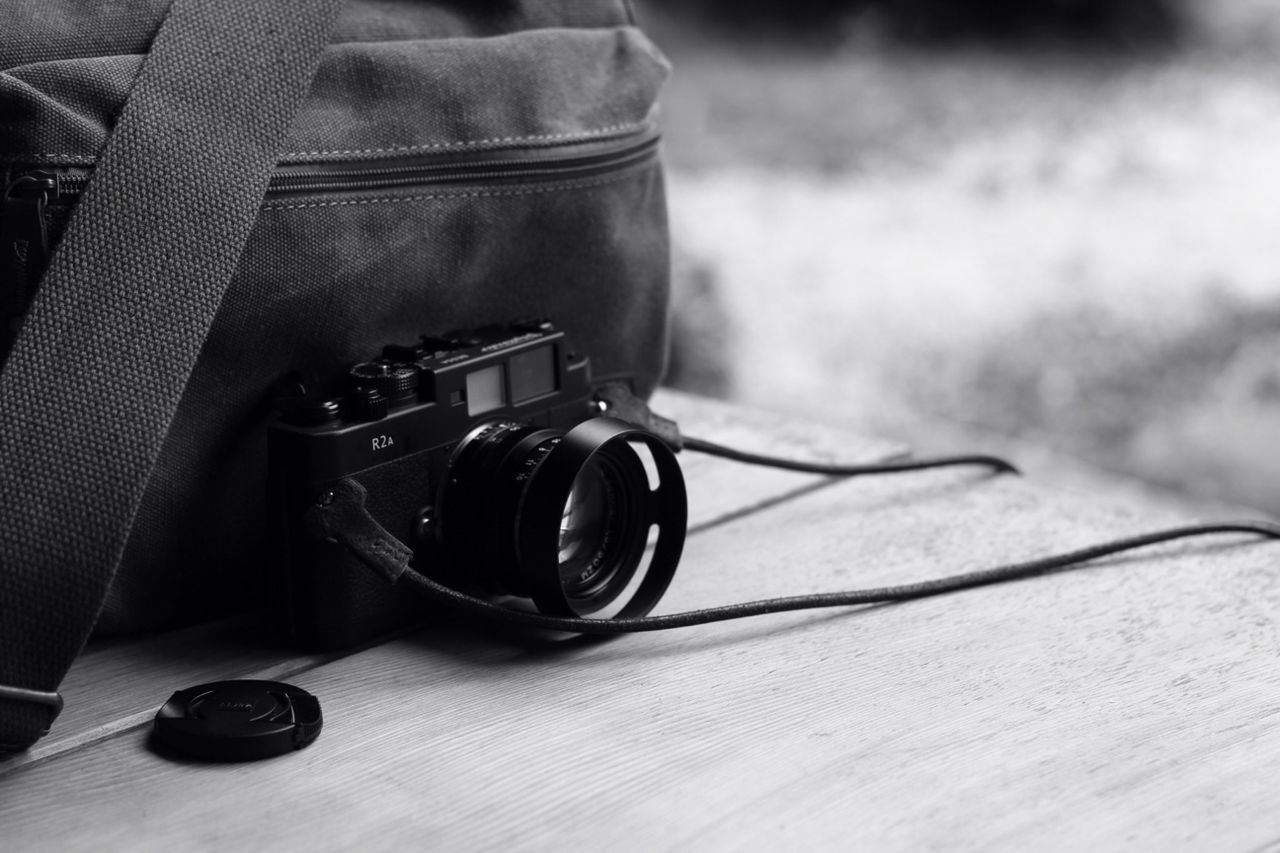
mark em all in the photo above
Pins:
pixel 488 453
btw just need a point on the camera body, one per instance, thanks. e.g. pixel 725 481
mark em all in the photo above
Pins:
pixel 475 450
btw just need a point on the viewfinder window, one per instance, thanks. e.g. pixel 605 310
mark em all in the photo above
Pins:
pixel 533 374
pixel 484 390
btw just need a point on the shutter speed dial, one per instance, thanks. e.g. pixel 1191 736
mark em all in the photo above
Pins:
pixel 394 381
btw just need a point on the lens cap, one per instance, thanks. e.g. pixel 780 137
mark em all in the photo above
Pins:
pixel 238 720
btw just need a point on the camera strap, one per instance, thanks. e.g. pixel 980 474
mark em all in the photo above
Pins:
pixel 342 519
pixel 108 345
pixel 442 594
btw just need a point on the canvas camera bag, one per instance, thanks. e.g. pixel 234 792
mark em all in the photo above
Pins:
pixel 202 195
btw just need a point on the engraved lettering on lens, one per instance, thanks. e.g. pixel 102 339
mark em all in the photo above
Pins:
pixel 587 530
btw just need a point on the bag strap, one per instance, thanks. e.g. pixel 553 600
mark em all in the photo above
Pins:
pixel 107 347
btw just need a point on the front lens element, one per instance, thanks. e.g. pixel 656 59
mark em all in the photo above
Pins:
pixel 586 532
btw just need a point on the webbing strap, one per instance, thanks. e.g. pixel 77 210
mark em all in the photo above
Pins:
pixel 107 347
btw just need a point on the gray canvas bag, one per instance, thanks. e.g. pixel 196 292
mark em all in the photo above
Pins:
pixel 202 195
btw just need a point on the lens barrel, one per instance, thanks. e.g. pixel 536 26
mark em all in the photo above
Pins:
pixel 564 518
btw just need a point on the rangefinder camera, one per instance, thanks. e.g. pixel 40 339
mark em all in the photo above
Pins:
pixel 488 454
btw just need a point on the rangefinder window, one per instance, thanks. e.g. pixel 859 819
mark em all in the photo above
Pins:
pixel 533 374
pixel 484 390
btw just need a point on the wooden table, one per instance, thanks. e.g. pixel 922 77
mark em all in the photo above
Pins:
pixel 1133 704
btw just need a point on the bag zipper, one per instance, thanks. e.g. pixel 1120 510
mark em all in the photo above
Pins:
pixel 24 239
pixel 455 169
pixel 340 177
pixel 24 247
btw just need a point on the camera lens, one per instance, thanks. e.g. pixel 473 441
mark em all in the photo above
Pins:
pixel 586 531
pixel 567 519
pixel 603 532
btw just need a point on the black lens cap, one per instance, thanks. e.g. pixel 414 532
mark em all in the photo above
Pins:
pixel 238 720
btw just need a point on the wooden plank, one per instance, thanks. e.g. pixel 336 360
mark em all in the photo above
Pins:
pixel 1134 703
pixel 718 491
pixel 116 685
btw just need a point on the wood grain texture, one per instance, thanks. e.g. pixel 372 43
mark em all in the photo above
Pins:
pixel 1131 704
pixel 117 684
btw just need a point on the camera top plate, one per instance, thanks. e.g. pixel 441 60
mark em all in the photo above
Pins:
pixel 428 393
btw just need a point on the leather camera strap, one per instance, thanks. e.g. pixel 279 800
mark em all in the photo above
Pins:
pixel 104 354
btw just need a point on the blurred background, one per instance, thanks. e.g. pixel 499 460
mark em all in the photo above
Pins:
pixel 1049 228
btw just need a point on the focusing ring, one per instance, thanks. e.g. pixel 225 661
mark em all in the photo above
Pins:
pixel 477 504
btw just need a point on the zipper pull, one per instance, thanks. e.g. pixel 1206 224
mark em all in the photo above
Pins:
pixel 24 248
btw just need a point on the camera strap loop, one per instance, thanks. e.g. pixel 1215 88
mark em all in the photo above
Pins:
pixel 339 515
pixel 620 402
